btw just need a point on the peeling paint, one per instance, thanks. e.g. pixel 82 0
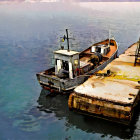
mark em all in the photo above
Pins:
pixel 112 95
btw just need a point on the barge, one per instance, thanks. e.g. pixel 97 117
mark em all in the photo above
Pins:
pixel 72 68
pixel 112 93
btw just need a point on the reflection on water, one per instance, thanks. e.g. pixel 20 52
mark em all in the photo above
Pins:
pixel 58 104
pixel 29 33
pixel 27 123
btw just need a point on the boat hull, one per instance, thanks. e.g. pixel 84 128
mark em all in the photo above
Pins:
pixel 69 85
pixel 56 84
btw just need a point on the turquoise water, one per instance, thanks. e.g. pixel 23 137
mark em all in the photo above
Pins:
pixel 29 32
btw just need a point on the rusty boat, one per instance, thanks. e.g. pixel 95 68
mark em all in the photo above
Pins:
pixel 72 68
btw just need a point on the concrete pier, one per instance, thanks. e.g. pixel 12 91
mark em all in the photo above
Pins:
pixel 111 93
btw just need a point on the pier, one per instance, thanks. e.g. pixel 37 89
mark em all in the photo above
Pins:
pixel 113 92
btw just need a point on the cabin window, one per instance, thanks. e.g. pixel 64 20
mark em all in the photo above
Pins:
pixel 65 65
pixel 55 61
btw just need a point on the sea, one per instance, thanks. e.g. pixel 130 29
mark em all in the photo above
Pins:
pixel 29 33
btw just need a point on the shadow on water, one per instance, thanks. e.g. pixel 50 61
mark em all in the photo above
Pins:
pixel 58 104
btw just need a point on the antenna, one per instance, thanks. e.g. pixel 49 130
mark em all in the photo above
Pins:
pixel 67 38
pixel 137 53
pixel 109 36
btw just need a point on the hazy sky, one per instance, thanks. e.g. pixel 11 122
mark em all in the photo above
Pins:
pixel 106 0
pixel 73 0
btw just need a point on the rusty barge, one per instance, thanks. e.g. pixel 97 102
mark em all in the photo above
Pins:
pixel 112 93
pixel 72 68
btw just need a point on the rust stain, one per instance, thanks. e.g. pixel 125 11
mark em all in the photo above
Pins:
pixel 114 95
pixel 92 85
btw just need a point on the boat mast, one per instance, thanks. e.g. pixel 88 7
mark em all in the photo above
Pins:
pixel 67 37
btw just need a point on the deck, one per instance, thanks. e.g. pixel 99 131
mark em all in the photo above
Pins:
pixel 113 96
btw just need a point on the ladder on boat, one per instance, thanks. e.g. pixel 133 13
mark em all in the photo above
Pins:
pixel 137 53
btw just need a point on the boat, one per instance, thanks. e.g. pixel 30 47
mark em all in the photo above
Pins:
pixel 72 68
